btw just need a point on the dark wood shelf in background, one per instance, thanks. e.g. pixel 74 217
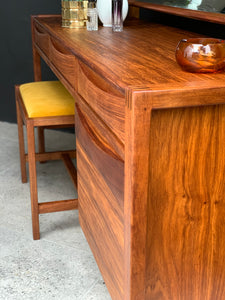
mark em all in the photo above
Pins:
pixel 212 17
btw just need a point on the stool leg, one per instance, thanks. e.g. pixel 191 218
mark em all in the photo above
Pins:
pixel 41 140
pixel 21 143
pixel 33 180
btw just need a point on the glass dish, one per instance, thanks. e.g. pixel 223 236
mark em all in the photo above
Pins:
pixel 201 55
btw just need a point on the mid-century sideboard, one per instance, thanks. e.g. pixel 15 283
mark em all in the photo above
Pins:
pixel 150 156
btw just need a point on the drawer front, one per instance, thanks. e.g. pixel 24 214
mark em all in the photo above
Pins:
pixel 101 193
pixel 41 39
pixel 64 63
pixel 106 101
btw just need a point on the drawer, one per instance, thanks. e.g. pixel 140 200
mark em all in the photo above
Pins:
pixel 106 100
pixel 100 134
pixel 101 196
pixel 41 39
pixel 64 63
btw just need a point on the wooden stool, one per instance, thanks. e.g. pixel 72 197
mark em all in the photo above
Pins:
pixel 43 104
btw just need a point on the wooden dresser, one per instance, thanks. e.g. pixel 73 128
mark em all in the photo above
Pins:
pixel 150 154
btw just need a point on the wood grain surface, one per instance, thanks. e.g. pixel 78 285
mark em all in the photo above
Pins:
pixel 186 208
pixel 142 55
pixel 101 207
pixel 150 155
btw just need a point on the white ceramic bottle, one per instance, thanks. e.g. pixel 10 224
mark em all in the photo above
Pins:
pixel 104 8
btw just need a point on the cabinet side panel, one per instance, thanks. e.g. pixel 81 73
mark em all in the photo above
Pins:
pixel 185 252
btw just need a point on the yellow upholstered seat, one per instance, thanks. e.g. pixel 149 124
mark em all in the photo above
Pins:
pixel 46 99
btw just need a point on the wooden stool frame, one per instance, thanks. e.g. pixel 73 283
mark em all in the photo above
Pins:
pixel 31 157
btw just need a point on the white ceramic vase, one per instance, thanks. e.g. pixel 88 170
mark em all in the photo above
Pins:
pixel 104 8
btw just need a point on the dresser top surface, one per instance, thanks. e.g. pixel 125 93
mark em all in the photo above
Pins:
pixel 143 55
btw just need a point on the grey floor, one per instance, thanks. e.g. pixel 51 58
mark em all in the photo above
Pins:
pixel 58 266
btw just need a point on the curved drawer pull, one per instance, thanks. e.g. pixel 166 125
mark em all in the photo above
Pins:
pixel 95 137
pixel 64 61
pixel 39 31
pixel 57 48
pixel 41 39
pixel 103 98
pixel 97 81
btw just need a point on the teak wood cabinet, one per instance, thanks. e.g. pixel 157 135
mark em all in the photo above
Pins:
pixel 150 154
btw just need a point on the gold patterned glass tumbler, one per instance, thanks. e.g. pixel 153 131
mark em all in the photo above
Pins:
pixel 74 13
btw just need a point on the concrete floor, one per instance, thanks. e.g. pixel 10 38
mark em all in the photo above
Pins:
pixel 58 266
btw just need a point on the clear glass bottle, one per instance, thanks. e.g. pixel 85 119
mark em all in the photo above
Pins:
pixel 117 15
pixel 92 16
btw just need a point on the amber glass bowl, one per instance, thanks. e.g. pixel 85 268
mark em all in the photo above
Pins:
pixel 201 55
